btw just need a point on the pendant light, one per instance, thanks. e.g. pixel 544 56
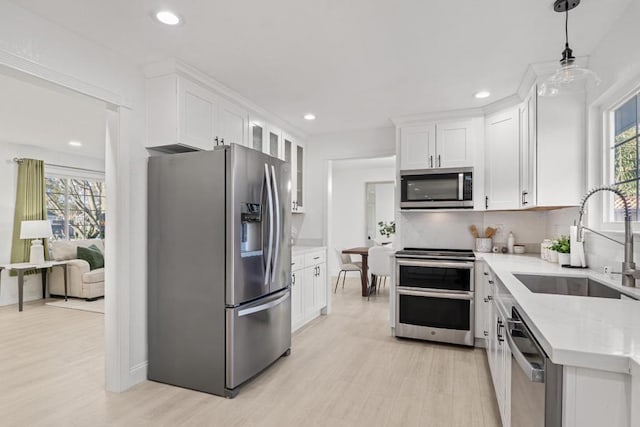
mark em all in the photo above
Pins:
pixel 570 77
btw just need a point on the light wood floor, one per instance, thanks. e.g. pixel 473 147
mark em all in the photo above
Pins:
pixel 344 370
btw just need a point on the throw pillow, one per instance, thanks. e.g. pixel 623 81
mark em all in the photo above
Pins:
pixel 95 248
pixel 92 256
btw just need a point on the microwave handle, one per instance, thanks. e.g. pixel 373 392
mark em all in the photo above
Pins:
pixel 460 186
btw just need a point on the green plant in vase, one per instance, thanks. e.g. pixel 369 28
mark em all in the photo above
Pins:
pixel 387 229
pixel 563 248
pixel 561 245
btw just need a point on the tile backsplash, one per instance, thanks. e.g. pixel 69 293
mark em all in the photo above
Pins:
pixel 451 229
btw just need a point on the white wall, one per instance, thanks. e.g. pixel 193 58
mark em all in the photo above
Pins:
pixel 385 203
pixel 42 49
pixel 8 182
pixel 369 143
pixel 616 59
pixel 348 205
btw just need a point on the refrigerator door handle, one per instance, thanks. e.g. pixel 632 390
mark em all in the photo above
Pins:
pixel 263 307
pixel 278 224
pixel 267 274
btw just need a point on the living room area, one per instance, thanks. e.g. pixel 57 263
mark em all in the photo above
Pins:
pixel 53 198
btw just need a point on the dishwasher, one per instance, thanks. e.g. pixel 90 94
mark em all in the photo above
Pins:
pixel 536 382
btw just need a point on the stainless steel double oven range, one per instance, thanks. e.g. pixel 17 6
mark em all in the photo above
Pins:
pixel 434 295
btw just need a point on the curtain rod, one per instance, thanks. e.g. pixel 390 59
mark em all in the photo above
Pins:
pixel 19 160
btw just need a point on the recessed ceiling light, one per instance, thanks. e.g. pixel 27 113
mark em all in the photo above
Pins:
pixel 167 17
pixel 309 116
pixel 75 143
pixel 482 94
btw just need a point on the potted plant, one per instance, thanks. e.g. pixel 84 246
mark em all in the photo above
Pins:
pixel 387 229
pixel 562 248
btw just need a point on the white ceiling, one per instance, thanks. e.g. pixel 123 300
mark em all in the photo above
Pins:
pixel 36 113
pixel 354 63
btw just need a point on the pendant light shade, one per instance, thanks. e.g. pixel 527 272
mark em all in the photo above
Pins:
pixel 570 77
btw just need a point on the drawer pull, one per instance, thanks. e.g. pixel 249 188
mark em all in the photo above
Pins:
pixel 317 257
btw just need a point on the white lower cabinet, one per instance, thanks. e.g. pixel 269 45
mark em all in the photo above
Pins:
pixel 308 287
pixel 498 352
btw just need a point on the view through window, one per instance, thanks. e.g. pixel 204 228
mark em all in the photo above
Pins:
pixel 624 157
pixel 76 207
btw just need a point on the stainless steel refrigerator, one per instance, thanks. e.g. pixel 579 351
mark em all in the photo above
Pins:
pixel 219 267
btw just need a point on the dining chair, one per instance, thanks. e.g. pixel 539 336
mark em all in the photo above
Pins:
pixel 346 265
pixel 380 258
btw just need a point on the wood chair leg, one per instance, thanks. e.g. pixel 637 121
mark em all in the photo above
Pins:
pixel 338 281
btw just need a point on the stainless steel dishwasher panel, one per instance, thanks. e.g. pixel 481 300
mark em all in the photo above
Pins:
pixel 536 382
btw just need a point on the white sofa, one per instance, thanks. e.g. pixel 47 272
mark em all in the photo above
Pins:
pixel 82 282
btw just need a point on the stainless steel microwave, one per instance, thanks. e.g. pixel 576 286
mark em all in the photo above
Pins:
pixel 436 188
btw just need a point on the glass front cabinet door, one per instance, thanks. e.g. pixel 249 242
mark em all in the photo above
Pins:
pixel 294 154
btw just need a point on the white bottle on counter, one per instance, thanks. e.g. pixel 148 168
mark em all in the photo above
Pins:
pixel 510 242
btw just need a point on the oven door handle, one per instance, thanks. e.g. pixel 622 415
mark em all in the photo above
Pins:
pixel 442 264
pixel 534 374
pixel 429 294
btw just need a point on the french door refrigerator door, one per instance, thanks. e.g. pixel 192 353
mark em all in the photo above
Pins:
pixel 257 334
pixel 249 218
pixel 281 260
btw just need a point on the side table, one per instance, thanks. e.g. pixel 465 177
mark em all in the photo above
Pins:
pixel 23 267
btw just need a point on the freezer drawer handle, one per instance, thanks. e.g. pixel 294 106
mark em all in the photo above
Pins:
pixel 263 307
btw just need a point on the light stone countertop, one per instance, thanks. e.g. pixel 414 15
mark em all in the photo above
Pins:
pixel 596 333
pixel 301 250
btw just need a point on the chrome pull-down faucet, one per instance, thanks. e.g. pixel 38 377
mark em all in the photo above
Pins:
pixel 629 272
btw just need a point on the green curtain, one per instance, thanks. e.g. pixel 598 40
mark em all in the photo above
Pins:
pixel 30 205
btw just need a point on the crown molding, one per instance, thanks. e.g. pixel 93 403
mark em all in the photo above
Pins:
pixel 176 66
pixel 467 113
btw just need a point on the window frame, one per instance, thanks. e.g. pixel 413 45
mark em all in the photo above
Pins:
pixel 61 172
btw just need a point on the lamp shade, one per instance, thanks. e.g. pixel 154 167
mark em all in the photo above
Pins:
pixel 35 229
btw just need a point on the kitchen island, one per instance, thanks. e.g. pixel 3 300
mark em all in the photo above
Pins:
pixel 596 340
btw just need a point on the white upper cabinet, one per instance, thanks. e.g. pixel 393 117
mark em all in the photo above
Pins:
pixel 293 152
pixel 502 160
pixel 182 112
pixel 528 157
pixel 196 115
pixel 454 146
pixel 417 147
pixel 273 142
pixel 257 135
pixel 561 150
pixel 231 124
pixel 437 145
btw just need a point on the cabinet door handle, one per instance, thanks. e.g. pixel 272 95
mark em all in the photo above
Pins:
pixel 293 279
pixel 222 141
pixel 216 141
pixel 499 327
pixel 486 202
pixel 486 299
pixel 439 161
pixel 485 333
pixel 489 298
pixel 524 198
pixel 430 161
pixel 485 273
pixel 491 282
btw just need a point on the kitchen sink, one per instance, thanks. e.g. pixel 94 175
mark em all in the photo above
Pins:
pixel 559 285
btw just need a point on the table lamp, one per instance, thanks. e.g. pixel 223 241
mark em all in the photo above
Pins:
pixel 36 230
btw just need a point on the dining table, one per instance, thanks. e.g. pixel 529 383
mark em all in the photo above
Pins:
pixel 364 253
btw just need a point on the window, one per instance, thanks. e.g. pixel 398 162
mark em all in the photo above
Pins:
pixel 624 157
pixel 76 207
